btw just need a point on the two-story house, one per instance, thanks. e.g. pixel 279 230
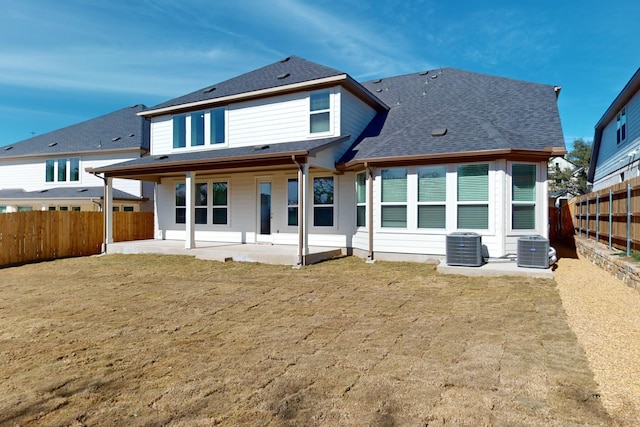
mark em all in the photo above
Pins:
pixel 296 153
pixel 616 143
pixel 47 172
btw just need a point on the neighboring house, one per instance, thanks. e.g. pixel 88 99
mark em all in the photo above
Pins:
pixel 557 193
pixel 296 153
pixel 616 143
pixel 47 172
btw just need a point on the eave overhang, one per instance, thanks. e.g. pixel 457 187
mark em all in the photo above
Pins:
pixel 461 157
pixel 342 79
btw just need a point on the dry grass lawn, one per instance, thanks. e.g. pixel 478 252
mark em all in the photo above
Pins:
pixel 161 340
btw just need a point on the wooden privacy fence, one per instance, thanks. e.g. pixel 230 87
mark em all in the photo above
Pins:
pixel 44 235
pixel 560 222
pixel 610 216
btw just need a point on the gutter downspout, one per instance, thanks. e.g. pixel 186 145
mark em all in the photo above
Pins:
pixel 103 249
pixel 300 212
pixel 370 210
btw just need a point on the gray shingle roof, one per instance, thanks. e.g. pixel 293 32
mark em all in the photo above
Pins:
pixel 479 112
pixel 255 152
pixel 291 70
pixel 120 129
pixel 64 193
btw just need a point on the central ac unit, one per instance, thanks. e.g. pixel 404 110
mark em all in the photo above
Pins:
pixel 465 249
pixel 533 251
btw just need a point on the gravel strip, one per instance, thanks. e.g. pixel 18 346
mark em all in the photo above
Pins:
pixel 605 315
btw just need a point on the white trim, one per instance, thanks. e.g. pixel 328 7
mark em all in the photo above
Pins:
pixel 245 95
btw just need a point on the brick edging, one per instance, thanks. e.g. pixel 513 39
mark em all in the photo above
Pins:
pixel 605 258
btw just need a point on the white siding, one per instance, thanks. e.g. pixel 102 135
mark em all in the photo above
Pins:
pixel 161 135
pixel 355 115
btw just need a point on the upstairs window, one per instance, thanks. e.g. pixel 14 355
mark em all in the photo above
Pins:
pixel 62 170
pixel 394 198
pixel 621 126
pixel 319 112
pixel 473 197
pixel 217 126
pixel 523 194
pixel 432 197
pixel 197 129
pixel 179 132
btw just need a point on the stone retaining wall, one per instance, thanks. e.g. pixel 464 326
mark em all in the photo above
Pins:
pixel 605 258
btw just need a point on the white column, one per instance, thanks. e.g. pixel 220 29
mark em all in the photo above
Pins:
pixel 108 210
pixel 303 179
pixel 190 189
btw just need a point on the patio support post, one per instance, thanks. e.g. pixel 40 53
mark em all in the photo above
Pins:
pixel 190 189
pixel 303 196
pixel 370 211
pixel 108 211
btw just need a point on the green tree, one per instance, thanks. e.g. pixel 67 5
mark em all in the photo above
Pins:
pixel 574 179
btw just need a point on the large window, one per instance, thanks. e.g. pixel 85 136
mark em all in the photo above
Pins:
pixel 319 111
pixel 179 131
pixel 292 202
pixel 473 197
pixel 181 203
pixel 197 129
pixel 361 199
pixel 217 126
pixel 323 202
pixel 523 193
pixel 394 198
pixel 62 170
pixel 201 205
pixel 220 203
pixel 621 126
pixel 432 197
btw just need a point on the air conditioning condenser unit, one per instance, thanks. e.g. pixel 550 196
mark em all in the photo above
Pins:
pixel 464 249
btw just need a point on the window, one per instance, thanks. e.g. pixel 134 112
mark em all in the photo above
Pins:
pixel 323 202
pixel 292 202
pixel 64 208
pixel 75 208
pixel 67 170
pixel 115 209
pixel 50 170
pixel 473 197
pixel 621 126
pixel 319 110
pixel 179 132
pixel 201 203
pixel 523 193
pixel 3 209
pixel 128 209
pixel 394 198
pixel 25 208
pixel 197 129
pixel 62 170
pixel 432 197
pixel 181 203
pixel 217 126
pixel 52 208
pixel 220 202
pixel 361 199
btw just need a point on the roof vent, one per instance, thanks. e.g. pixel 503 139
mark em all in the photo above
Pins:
pixel 134 106
pixel 53 144
pixel 283 76
pixel 82 190
pixel 162 157
pixel 260 147
pixel 43 191
pixel 377 81
pixel 131 135
pixel 115 139
pixel 209 89
pixel 379 89
pixel 423 73
pixel 8 148
pixel 435 76
pixel 439 132
pixel 285 59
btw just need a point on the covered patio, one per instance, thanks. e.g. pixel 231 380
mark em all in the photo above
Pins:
pixel 224 252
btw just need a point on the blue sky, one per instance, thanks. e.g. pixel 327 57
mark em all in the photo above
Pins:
pixel 63 62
